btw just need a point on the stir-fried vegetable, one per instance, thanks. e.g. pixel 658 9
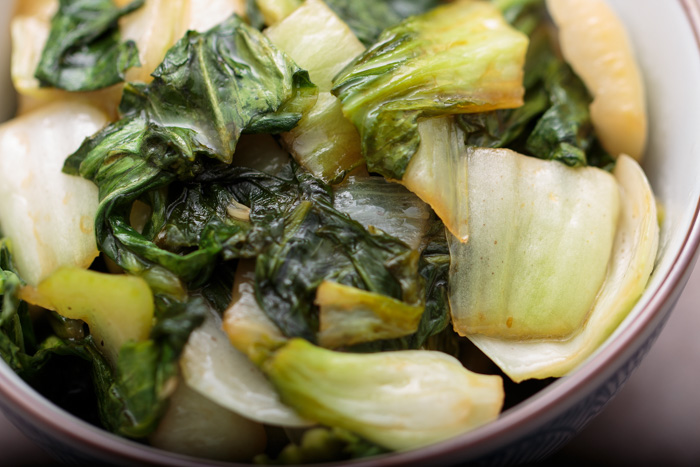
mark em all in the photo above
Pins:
pixel 542 235
pixel 47 215
pixel 302 210
pixel 631 264
pixel 359 393
pixel 458 58
pixel 324 142
pixel 83 51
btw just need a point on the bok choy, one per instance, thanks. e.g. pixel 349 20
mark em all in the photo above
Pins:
pixel 279 247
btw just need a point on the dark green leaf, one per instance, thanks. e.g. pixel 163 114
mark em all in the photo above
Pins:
pixel 323 445
pixel 230 79
pixel 565 131
pixel 434 270
pixel 83 51
pixel 147 371
pixel 502 128
pixel 554 122
pixel 368 18
pixel 321 244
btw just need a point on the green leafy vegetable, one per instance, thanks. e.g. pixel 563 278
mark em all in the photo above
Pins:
pixel 538 227
pixel 564 132
pixel 318 243
pixel 323 445
pixel 554 122
pixel 439 397
pixel 368 18
pixel 83 51
pixel 439 175
pixel 271 12
pixel 230 79
pixel 350 316
pixel 631 264
pixel 325 142
pixel 434 331
pixel 378 204
pixel 458 58
pixel 147 371
pixel 215 368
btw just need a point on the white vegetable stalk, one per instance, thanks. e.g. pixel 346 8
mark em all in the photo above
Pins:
pixel 47 215
pixel 214 368
pixel 629 269
pixel 399 400
pixel 324 142
pixel 439 175
pixel 541 237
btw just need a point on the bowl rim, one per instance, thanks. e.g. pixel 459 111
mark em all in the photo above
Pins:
pixel 19 400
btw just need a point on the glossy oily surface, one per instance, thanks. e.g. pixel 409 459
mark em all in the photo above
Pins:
pixel 548 419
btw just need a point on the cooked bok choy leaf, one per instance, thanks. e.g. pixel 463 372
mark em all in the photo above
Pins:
pixel 319 243
pixel 542 236
pixel 195 426
pixel 116 308
pixel 631 264
pixel 147 371
pixel 358 392
pixel 154 144
pixel 47 215
pixel 231 80
pixel 245 323
pixel 324 142
pixel 154 28
pixel 554 121
pixel 349 316
pixel 30 27
pixel 202 15
pixel 368 18
pixel 271 12
pixel 439 174
pixel 83 51
pixel 458 58
pixel 604 59
pixel 378 204
pixel 214 368
pixel 159 24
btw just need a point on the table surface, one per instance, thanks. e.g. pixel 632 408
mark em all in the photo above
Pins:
pixel 654 420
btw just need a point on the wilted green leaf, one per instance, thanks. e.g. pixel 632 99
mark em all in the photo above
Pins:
pixel 368 18
pixel 458 58
pixel 83 51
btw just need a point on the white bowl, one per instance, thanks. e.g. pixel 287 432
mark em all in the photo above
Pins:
pixel 666 37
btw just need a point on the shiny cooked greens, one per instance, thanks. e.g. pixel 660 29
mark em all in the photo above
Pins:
pixel 283 278
pixel 83 51
pixel 425 67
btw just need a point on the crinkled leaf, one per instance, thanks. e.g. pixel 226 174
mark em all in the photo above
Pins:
pixel 318 243
pixel 458 58
pixel 230 79
pixel 147 371
pixel 433 329
pixel 554 122
pixel 83 51
pixel 368 18
pixel 565 131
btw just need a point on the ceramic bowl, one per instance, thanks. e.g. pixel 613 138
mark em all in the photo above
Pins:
pixel 666 36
